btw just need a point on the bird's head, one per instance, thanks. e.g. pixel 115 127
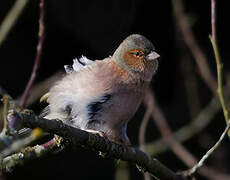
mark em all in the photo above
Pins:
pixel 136 54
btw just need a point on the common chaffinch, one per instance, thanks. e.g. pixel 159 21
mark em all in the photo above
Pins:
pixel 101 96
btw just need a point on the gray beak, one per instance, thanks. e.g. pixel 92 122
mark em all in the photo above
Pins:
pixel 152 55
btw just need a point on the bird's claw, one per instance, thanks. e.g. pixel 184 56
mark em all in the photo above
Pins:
pixel 99 133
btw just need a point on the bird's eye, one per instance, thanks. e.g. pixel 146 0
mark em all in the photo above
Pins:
pixel 138 54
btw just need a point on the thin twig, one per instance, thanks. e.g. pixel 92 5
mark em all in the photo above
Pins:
pixel 41 88
pixel 11 18
pixel 219 91
pixel 218 63
pixel 210 151
pixel 193 46
pixel 41 37
pixel 189 77
pixel 30 153
pixel 220 80
pixel 157 114
pixel 37 90
pixel 213 18
pixel 21 143
pixel 4 114
pixel 166 132
pixel 189 130
pixel 174 144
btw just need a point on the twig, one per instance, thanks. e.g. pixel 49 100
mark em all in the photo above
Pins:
pixel 41 88
pixel 194 127
pixel 191 42
pixel 220 80
pixel 191 87
pixel 8 103
pixel 218 63
pixel 157 114
pixel 94 142
pixel 11 18
pixel 213 18
pixel 219 91
pixel 18 144
pixel 41 37
pixel 37 90
pixel 209 152
pixel 220 77
pixel 189 77
pixel 30 153
pixel 4 114
pixel 166 132
pixel 174 144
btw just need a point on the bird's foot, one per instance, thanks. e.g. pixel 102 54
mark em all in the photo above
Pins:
pixel 100 133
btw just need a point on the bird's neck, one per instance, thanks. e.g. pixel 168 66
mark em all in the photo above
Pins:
pixel 121 63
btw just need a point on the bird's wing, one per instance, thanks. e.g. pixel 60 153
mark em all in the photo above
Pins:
pixel 78 64
pixel 95 106
pixel 81 95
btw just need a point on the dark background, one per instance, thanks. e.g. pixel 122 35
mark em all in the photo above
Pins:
pixel 95 29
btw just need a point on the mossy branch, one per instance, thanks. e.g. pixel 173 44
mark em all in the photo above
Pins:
pixel 82 138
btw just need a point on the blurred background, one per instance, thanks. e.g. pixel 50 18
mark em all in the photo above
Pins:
pixel 95 29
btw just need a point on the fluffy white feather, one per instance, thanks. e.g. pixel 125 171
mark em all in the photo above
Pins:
pixel 78 64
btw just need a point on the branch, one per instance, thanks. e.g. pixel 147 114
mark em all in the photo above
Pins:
pixel 209 152
pixel 41 37
pixel 30 153
pixel 20 143
pixel 177 148
pixel 219 91
pixel 82 138
pixel 11 19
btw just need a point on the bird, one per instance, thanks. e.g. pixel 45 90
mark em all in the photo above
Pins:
pixel 101 96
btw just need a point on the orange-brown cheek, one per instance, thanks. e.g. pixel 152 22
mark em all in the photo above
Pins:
pixel 135 63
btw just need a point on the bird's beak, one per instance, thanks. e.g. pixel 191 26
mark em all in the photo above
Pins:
pixel 152 55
